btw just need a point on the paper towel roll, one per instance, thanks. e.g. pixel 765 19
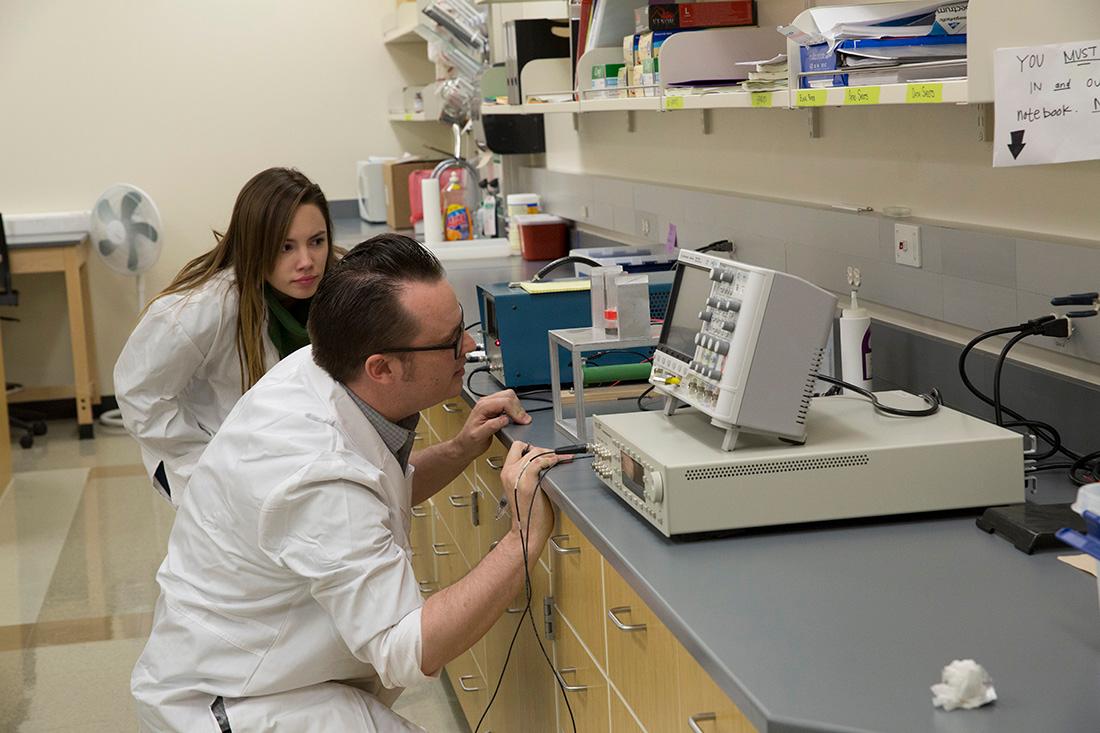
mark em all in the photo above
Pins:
pixel 433 210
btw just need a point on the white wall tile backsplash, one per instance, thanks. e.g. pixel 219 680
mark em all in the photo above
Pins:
pixel 976 279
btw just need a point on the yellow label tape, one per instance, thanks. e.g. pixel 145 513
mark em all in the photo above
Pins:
pixel 924 93
pixel 862 95
pixel 761 99
pixel 674 102
pixel 811 98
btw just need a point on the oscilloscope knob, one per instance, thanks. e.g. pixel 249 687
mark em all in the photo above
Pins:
pixel 654 487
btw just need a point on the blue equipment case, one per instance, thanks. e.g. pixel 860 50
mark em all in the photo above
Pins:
pixel 514 324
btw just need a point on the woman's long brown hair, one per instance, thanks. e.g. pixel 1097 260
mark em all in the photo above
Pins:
pixel 256 232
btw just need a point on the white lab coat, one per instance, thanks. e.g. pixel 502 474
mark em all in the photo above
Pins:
pixel 179 375
pixel 288 587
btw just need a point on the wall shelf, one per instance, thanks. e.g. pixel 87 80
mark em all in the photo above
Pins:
pixel 402 35
pixel 727 99
pixel 531 108
pixel 951 91
pixel 402 25
pixel 940 92
pixel 410 117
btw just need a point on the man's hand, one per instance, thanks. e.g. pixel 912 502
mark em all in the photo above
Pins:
pixel 519 480
pixel 489 414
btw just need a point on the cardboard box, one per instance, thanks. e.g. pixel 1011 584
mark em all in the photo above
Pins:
pixel 677 16
pixel 396 178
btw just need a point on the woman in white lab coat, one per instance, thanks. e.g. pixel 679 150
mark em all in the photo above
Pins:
pixel 227 317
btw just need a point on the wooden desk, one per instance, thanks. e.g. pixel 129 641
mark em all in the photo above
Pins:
pixel 5 435
pixel 69 255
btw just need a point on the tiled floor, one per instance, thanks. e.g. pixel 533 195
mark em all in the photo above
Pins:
pixel 81 536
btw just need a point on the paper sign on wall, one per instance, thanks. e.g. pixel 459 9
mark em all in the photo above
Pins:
pixel 1047 104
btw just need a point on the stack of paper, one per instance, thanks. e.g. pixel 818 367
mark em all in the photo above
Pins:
pixel 767 75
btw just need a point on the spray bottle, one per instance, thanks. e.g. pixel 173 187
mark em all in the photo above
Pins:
pixel 855 338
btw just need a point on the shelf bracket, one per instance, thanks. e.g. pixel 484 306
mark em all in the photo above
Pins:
pixel 705 119
pixel 985 123
pixel 630 121
pixel 576 121
pixel 813 118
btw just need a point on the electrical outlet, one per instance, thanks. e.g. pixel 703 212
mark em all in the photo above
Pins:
pixel 907 245
pixel 645 227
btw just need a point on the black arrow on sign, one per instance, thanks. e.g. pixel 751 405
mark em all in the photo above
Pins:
pixel 1017 145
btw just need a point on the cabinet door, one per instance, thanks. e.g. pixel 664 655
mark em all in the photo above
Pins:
pixel 455 413
pixel 578 585
pixel 460 505
pixel 470 686
pixel 420 540
pixel 434 417
pixel 641 655
pixel 487 470
pixel 531 677
pixel 702 703
pixel 621 719
pixel 507 708
pixel 586 688
pixel 449 564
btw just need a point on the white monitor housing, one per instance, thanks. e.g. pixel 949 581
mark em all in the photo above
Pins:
pixel 741 344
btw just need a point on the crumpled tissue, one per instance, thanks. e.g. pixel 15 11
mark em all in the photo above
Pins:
pixel 965 684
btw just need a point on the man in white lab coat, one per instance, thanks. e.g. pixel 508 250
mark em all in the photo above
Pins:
pixel 288 601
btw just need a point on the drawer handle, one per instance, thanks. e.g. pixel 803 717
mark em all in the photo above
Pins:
pixel 418 513
pixel 455 500
pixel 563 550
pixel 570 688
pixel 695 720
pixel 612 613
pixel 426 586
pixel 521 609
pixel 462 682
pixel 496 463
pixel 417 438
pixel 436 551
pixel 493 545
pixel 451 408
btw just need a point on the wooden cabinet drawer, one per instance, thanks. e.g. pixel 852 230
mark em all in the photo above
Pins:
pixel 641 655
pixel 530 673
pixel 702 702
pixel 621 719
pixel 433 416
pixel 450 566
pixel 470 686
pixel 420 540
pixel 488 467
pixel 578 585
pixel 578 670
pixel 456 502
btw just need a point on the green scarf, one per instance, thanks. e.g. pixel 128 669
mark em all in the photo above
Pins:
pixel 286 326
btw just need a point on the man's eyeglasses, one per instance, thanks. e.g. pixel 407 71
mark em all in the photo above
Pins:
pixel 455 345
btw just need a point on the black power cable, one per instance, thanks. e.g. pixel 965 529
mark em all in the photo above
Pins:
pixel 575 450
pixel 1044 431
pixel 530 395
pixel 933 400
pixel 998 408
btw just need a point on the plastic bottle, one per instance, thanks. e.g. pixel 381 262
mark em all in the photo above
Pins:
pixel 855 345
pixel 456 219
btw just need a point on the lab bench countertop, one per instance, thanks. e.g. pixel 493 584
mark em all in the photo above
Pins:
pixel 843 628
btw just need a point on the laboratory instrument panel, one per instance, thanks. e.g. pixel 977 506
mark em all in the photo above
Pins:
pixel 858 463
pixel 515 323
pixel 741 344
